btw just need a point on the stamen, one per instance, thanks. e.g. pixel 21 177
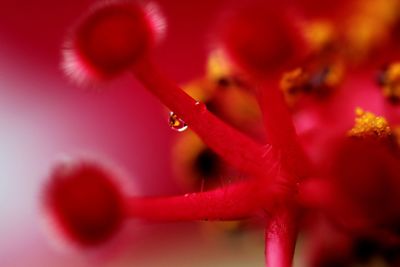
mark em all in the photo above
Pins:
pixel 232 202
pixel 368 125
pixel 233 146
pixel 262 44
pixel 119 37
pixel 281 133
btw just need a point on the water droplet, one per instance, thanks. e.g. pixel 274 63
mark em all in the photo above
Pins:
pixel 201 107
pixel 176 123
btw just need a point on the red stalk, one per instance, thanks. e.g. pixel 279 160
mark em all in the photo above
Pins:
pixel 238 201
pixel 236 148
pixel 280 239
pixel 280 130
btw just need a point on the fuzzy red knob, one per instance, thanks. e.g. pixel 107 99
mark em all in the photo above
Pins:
pixel 112 38
pixel 85 201
pixel 261 39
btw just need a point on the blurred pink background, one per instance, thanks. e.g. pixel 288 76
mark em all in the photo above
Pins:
pixel 43 116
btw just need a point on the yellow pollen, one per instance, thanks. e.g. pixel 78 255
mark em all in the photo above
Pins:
pixel 367 124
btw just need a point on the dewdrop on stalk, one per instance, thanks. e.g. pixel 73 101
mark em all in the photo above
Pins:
pixel 176 124
pixel 110 39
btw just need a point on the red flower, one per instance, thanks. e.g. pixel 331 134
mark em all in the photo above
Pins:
pixel 285 184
